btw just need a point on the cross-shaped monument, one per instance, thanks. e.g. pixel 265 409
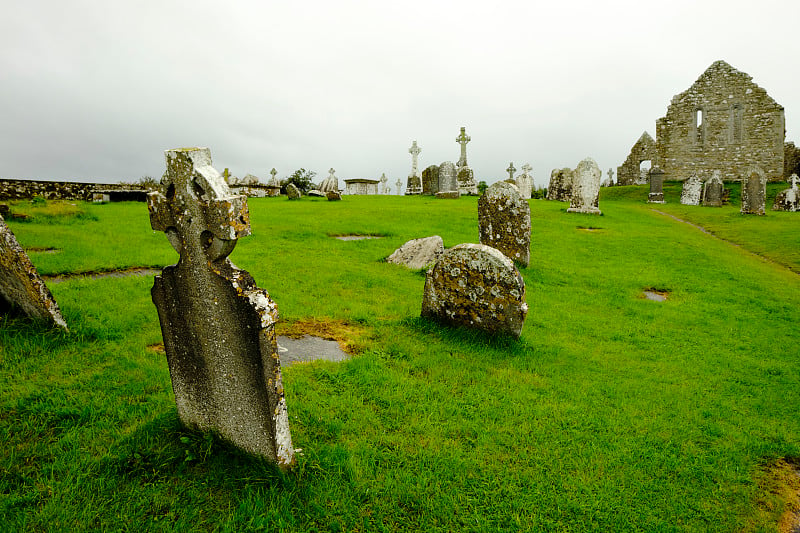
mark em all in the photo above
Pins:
pixel 610 175
pixel 274 173
pixel 463 139
pixel 526 169
pixel 414 151
pixel 331 172
pixel 511 171
pixel 398 184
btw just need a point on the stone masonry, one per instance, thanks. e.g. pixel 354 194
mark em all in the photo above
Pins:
pixel 723 121
pixel 629 173
pixel 218 326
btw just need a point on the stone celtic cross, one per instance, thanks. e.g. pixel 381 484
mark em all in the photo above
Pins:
pixel 463 139
pixel 526 169
pixel 511 171
pixel 414 151
pixel 273 172
pixel 331 173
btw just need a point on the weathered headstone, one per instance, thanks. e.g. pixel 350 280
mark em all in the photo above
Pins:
pixel 293 192
pixel 692 188
pixel 504 222
pixel 418 253
pixel 754 191
pixel 560 187
pixel 430 180
pixel 414 184
pixel 466 181
pixel 399 185
pixel 713 190
pixel 476 286
pixel 331 183
pixel 585 188
pixel 788 199
pixel 218 326
pixel 20 283
pixel 448 183
pixel 525 182
pixel 656 195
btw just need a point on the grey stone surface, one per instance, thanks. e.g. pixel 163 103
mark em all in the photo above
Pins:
pixel 511 171
pixel 331 183
pixel 448 181
pixel 418 253
pixel 560 187
pixel 504 222
pixel 399 185
pixel 20 283
pixel 525 182
pixel 218 326
pixel 713 190
pixel 585 188
pixel 462 140
pixel 362 186
pixel 788 199
pixel 629 173
pixel 292 192
pixel 476 286
pixel 465 177
pixel 430 180
pixel 309 348
pixel 754 191
pixel 692 189
pixel 656 195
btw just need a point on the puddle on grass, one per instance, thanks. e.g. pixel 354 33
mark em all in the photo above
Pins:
pixel 356 237
pixel 656 295
pixel 142 271
pixel 589 229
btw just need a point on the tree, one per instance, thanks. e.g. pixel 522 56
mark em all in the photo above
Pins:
pixel 301 179
pixel 482 186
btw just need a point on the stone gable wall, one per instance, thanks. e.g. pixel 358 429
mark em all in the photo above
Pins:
pixel 644 150
pixel 741 126
pixel 55 190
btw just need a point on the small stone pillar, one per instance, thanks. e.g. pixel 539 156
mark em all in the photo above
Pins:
pixel 656 195
pixel 217 325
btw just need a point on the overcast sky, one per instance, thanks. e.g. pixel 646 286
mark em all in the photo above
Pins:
pixel 97 90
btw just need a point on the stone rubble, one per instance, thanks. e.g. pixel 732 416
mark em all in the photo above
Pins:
pixel 418 253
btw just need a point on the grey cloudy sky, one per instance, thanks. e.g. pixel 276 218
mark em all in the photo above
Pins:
pixel 97 90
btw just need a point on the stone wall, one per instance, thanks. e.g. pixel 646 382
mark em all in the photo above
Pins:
pixel 723 121
pixel 629 173
pixel 55 190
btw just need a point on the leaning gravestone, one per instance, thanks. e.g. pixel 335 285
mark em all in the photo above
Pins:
pixel 476 286
pixel 690 194
pixel 504 222
pixel 788 199
pixel 292 192
pixel 754 191
pixel 218 326
pixel 20 283
pixel 560 186
pixel 713 190
pixel 418 253
pixel 585 188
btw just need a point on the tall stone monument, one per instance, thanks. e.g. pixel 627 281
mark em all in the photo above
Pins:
pixel 464 174
pixel 511 171
pixel 504 222
pixel 525 182
pixel 218 326
pixel 331 183
pixel 585 188
pixel 754 191
pixel 385 188
pixel 656 195
pixel 414 183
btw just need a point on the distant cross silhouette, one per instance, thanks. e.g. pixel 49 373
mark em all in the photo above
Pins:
pixel 526 169
pixel 463 139
pixel 414 151
pixel 510 171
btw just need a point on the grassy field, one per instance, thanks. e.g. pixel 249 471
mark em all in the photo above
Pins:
pixel 611 413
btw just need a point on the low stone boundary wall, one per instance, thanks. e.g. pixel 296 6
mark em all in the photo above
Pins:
pixel 55 190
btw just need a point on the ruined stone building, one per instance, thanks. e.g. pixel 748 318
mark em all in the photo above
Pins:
pixel 723 121
pixel 632 171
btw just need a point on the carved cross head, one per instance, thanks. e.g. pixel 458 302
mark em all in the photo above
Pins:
pixel 196 210
pixel 526 168
pixel 511 170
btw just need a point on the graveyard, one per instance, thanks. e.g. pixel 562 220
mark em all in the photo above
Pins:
pixel 610 412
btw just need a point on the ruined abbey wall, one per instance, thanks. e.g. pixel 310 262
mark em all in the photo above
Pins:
pixel 54 190
pixel 723 122
pixel 644 150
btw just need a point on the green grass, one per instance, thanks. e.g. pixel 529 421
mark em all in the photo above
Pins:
pixel 611 413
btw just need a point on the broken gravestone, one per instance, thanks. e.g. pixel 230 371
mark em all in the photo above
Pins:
pixel 218 326
pixel 692 187
pixel 504 222
pixel 788 199
pixel 292 192
pixel 585 193
pixel 713 190
pixel 754 191
pixel 20 283
pixel 476 286
pixel 418 253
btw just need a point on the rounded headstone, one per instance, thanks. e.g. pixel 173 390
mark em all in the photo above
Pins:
pixel 476 286
pixel 504 222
